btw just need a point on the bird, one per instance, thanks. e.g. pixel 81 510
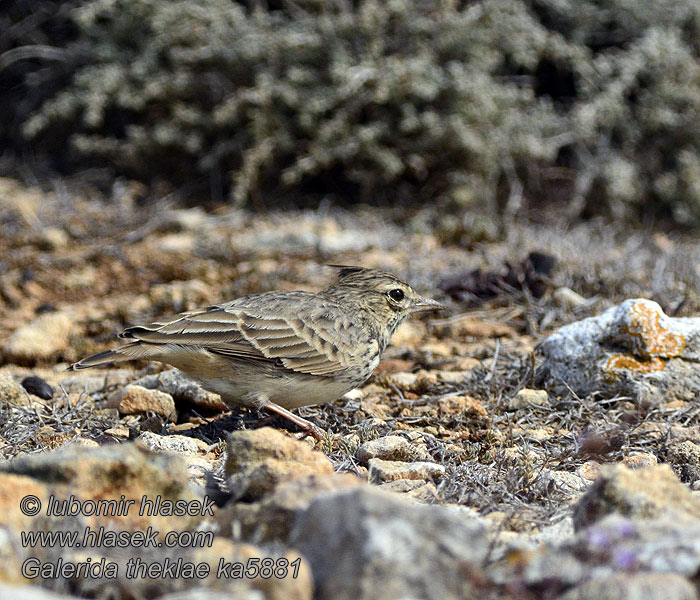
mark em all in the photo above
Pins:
pixel 280 350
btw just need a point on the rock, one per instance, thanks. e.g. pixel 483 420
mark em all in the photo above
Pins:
pixel 11 392
pixel 424 381
pixel 567 482
pixel 200 469
pixel 458 406
pixel 182 389
pixel 53 238
pixel 272 518
pixel 436 349
pixel 390 470
pixel 403 381
pixel 540 435
pixel 356 394
pixel 567 298
pixel 668 544
pixel 685 458
pixel 183 242
pixel 393 365
pixel 391 447
pixel 640 460
pixel 179 444
pixel 50 439
pixel 630 349
pixel 634 586
pixel 85 442
pixel 457 377
pixel 369 544
pixel 526 397
pixel 118 432
pixel 13 488
pixel 183 219
pixel 590 470
pixel 138 399
pixel 417 383
pixel 294 583
pixel 403 486
pixel 38 387
pixel 614 546
pixel 106 472
pixel 42 339
pixel 258 460
pixel 81 278
pixel 642 493
pixel 466 364
pixel 424 491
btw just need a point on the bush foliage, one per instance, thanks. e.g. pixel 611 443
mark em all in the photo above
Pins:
pixel 590 106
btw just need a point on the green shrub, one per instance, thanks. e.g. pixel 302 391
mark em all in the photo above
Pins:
pixel 35 61
pixel 582 106
pixel 637 112
pixel 386 101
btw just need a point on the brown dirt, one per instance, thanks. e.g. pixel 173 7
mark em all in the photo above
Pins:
pixel 109 263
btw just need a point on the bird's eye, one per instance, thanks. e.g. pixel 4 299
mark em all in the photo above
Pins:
pixel 396 295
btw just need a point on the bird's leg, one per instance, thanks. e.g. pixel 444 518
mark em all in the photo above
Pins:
pixel 308 427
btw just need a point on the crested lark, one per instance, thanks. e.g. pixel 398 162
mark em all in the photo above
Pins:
pixel 280 350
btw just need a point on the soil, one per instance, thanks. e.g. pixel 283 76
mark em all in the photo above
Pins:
pixel 448 382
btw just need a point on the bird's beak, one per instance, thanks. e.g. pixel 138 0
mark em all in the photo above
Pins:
pixel 425 304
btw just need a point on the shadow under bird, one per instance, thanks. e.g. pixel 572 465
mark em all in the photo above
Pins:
pixel 280 350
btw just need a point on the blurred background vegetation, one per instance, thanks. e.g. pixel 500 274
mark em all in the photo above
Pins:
pixel 498 107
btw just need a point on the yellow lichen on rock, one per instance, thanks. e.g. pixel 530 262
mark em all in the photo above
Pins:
pixel 651 343
pixel 650 338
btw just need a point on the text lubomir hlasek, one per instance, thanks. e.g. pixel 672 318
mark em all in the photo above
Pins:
pixel 157 506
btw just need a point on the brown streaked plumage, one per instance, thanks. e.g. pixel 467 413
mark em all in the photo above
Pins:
pixel 280 350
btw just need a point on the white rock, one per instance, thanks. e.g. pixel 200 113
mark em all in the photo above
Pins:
pixel 632 348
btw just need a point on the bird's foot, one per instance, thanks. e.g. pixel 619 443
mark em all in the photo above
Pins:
pixel 308 428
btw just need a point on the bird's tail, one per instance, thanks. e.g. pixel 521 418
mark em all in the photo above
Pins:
pixel 127 352
pixel 97 360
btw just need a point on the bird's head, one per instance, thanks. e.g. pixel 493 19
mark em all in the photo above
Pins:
pixel 386 297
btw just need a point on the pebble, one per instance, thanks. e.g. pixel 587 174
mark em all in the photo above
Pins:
pixel 38 387
pixel 567 298
pixel 139 399
pixel 41 339
pixel 639 461
pixel 172 443
pixel 391 447
pixel 390 470
pixel 527 397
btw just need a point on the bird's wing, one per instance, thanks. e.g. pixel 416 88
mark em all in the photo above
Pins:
pixel 316 340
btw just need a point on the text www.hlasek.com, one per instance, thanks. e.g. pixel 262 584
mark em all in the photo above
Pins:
pixel 106 538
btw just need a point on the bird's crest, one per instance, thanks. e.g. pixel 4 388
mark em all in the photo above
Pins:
pixel 347 270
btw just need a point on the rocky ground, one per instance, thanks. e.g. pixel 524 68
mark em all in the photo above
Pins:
pixel 483 459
